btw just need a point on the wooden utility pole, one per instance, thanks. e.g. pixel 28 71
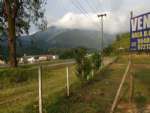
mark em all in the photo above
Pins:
pixel 67 72
pixel 40 88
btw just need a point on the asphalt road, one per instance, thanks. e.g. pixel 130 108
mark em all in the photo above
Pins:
pixel 106 61
pixel 49 65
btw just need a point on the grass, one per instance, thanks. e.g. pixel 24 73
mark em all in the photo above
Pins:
pixel 16 95
pixel 93 97
pixel 97 96
pixel 140 71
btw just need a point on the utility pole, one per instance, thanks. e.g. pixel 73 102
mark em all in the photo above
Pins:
pixel 101 16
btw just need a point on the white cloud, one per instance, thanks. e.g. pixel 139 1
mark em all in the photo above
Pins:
pixel 113 23
pixel 116 21
pixel 72 20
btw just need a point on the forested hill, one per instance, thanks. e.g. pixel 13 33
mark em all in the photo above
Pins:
pixel 122 41
pixel 55 37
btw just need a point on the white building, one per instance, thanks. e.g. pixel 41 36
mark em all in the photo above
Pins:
pixel 36 58
pixel 31 60
pixel 2 62
pixel 43 58
pixel 47 57
pixel 54 57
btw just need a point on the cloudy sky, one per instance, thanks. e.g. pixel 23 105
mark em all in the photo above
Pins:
pixel 83 13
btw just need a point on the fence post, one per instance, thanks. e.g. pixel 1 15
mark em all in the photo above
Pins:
pixel 40 88
pixel 120 88
pixel 67 71
pixel 92 73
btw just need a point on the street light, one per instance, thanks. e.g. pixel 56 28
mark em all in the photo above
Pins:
pixel 101 16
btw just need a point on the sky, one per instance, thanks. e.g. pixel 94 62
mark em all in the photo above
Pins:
pixel 83 13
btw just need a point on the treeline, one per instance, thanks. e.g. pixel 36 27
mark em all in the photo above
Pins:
pixel 68 53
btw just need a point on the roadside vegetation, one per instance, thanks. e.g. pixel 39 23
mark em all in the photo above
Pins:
pixel 19 86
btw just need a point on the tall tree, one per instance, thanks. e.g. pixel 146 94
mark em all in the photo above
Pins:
pixel 16 16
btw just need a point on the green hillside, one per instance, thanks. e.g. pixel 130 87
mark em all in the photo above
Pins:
pixel 120 45
pixel 122 41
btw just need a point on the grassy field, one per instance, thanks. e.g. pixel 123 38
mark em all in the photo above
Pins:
pixel 97 96
pixel 19 87
pixel 20 96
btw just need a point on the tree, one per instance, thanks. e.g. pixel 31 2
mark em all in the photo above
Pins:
pixel 96 61
pixel 117 37
pixel 83 67
pixel 108 50
pixel 16 17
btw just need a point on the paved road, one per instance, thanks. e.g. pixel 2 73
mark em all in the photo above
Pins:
pixel 107 60
pixel 58 64
pixel 3 65
pixel 49 65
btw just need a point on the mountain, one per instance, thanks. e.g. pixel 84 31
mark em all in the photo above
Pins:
pixel 74 38
pixel 55 37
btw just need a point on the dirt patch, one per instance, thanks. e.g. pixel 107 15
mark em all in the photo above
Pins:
pixel 139 66
pixel 132 108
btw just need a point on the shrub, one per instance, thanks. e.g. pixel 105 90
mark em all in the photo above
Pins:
pixel 140 101
pixel 83 67
pixel 96 61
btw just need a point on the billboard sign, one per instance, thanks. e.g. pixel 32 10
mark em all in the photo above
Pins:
pixel 140 32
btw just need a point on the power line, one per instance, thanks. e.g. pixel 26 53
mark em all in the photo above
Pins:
pixel 86 12
pixel 91 6
pixel 79 8
pixel 78 5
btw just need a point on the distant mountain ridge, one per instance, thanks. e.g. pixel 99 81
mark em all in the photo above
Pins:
pixel 55 37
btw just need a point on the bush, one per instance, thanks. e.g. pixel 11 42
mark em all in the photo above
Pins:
pixel 140 100
pixel 96 61
pixel 83 67
pixel 108 50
